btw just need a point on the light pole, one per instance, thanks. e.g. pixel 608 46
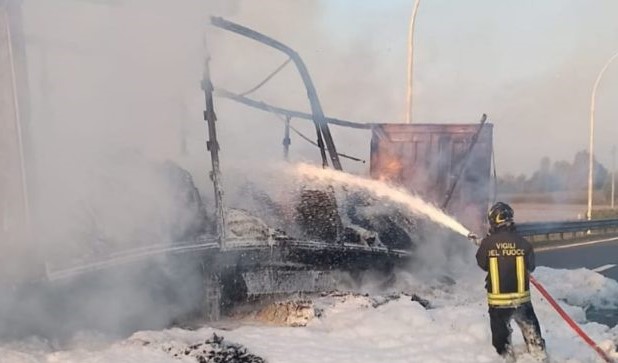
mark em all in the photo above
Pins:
pixel 411 62
pixel 613 174
pixel 591 147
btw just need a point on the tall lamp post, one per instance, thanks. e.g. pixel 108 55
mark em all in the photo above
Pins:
pixel 591 147
pixel 411 62
pixel 613 175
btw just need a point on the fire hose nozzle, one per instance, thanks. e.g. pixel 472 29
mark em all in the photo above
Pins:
pixel 474 238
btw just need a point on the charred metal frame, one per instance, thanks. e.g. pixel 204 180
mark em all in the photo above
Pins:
pixel 221 92
pixel 286 139
pixel 290 253
pixel 320 120
pixel 288 115
pixel 475 138
pixel 213 146
pixel 321 126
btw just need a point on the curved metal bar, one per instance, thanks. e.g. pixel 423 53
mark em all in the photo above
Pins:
pixel 316 109
pixel 268 78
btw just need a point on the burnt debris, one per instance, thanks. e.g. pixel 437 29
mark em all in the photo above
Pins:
pixel 214 350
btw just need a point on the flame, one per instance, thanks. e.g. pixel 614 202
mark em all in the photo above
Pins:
pixel 389 169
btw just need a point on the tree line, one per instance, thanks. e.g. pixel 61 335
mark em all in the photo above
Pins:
pixel 557 177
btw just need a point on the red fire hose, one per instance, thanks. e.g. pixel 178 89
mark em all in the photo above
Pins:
pixel 570 321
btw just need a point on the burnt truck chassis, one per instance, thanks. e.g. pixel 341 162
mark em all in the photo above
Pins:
pixel 251 269
pixel 228 267
pixel 234 272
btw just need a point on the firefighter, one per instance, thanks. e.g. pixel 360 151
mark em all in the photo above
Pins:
pixel 509 259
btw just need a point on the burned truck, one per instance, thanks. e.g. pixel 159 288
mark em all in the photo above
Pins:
pixel 447 165
pixel 218 257
pixel 325 236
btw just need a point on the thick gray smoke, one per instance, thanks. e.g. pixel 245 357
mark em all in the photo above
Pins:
pixel 115 97
pixel 116 112
pixel 115 118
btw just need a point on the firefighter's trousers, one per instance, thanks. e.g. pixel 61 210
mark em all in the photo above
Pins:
pixel 524 316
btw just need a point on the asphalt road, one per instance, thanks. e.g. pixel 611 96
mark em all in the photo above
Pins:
pixel 601 257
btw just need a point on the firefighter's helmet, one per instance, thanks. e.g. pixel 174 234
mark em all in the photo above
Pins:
pixel 500 215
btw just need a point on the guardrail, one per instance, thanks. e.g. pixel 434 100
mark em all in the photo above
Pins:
pixel 548 228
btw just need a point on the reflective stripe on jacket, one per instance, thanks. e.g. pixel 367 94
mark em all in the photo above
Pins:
pixel 508 259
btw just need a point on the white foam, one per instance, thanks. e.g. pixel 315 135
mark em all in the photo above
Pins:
pixel 381 189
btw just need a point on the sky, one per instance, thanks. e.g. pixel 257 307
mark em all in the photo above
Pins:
pixel 530 65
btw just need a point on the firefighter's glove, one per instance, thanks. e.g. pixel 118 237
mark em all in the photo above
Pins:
pixel 474 238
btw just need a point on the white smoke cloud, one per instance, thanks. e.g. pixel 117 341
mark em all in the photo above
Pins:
pixel 113 91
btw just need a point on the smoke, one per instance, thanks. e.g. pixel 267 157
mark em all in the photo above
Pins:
pixel 116 121
pixel 116 110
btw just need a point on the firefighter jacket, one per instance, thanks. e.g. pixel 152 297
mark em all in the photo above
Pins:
pixel 508 259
